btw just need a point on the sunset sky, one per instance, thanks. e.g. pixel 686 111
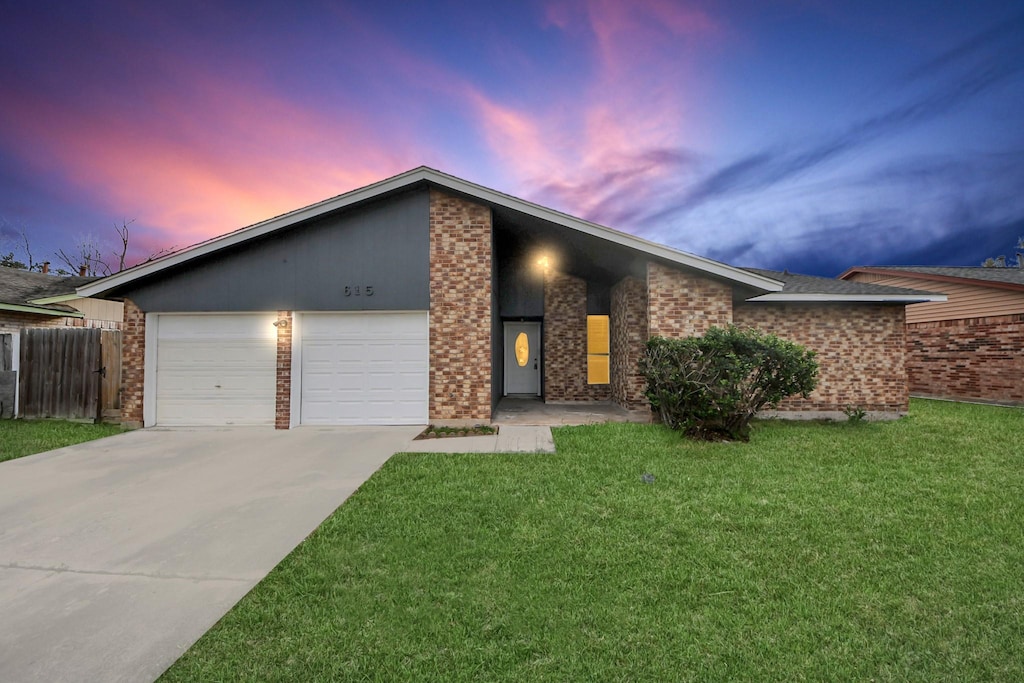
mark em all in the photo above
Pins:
pixel 808 134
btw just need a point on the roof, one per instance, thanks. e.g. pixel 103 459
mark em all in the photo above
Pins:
pixel 431 177
pixel 1000 278
pixel 28 292
pixel 798 287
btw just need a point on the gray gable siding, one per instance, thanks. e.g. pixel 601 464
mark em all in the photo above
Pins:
pixel 385 246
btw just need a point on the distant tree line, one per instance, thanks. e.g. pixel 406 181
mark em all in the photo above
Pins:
pixel 1003 262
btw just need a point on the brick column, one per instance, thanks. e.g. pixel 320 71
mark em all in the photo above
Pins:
pixel 629 341
pixel 283 402
pixel 133 364
pixel 565 341
pixel 460 310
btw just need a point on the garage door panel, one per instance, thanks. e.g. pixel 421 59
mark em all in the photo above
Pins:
pixel 216 369
pixel 364 368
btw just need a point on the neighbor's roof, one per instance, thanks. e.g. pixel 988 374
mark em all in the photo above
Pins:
pixel 823 289
pixel 1000 278
pixel 432 177
pixel 28 292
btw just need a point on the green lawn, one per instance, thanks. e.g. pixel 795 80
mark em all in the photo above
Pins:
pixel 815 552
pixel 25 437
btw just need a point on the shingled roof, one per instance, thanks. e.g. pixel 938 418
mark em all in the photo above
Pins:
pixel 813 288
pixel 20 289
pixel 1014 277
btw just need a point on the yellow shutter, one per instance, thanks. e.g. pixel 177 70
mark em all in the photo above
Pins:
pixel 598 346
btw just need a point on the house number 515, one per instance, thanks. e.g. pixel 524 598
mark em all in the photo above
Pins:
pixel 359 290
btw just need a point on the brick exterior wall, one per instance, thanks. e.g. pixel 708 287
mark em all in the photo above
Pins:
pixel 460 309
pixel 133 364
pixel 971 358
pixel 283 399
pixel 565 342
pixel 682 305
pixel 628 341
pixel 861 352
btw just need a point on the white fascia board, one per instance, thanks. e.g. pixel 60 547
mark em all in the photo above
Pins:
pixel 41 310
pixel 60 298
pixel 849 298
pixel 412 177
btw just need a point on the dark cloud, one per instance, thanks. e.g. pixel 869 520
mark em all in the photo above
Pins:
pixel 978 65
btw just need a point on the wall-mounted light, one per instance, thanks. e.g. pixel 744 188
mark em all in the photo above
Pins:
pixel 283 322
pixel 544 262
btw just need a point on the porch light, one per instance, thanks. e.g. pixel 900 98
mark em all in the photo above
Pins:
pixel 283 322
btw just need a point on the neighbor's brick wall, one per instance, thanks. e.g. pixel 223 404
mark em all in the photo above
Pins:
pixel 861 351
pixel 680 304
pixel 460 309
pixel 628 340
pixel 565 341
pixel 283 401
pixel 970 358
pixel 133 364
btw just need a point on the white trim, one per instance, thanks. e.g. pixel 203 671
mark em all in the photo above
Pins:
pixel 149 370
pixel 295 397
pixel 55 299
pixel 41 310
pixel 449 182
pixel 849 298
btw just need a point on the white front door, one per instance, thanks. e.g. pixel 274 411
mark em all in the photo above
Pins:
pixel 522 358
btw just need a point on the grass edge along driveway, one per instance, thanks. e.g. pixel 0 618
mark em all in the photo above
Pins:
pixel 886 551
pixel 19 438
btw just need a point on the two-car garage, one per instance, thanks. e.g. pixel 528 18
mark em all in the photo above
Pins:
pixel 347 368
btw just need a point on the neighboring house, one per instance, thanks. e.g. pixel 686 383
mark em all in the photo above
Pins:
pixel 970 347
pixel 39 300
pixel 427 298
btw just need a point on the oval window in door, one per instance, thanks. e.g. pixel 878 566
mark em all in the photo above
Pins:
pixel 522 350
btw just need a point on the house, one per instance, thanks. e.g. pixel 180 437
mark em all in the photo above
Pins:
pixel 41 300
pixel 970 347
pixel 427 298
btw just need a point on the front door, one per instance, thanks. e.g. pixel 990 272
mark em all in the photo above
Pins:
pixel 522 358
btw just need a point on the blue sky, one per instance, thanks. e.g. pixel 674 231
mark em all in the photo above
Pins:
pixel 808 135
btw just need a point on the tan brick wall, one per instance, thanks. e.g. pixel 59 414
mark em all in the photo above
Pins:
pixel 460 309
pixel 283 400
pixel 133 364
pixel 861 351
pixel 628 340
pixel 971 358
pixel 565 342
pixel 681 304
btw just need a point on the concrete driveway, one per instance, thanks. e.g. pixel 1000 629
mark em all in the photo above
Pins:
pixel 116 555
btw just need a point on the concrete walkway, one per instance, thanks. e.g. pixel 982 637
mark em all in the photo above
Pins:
pixel 509 439
pixel 116 555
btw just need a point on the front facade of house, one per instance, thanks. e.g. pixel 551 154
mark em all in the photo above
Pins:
pixel 970 347
pixel 425 298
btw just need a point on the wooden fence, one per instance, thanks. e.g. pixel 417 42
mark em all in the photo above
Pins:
pixel 8 378
pixel 69 373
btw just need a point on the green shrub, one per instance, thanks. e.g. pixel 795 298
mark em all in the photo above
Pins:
pixel 712 386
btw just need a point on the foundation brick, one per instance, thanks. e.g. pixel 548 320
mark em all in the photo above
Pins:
pixel 460 309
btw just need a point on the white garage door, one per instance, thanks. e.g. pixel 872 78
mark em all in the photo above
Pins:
pixel 216 369
pixel 364 368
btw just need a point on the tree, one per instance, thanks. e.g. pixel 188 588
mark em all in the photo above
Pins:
pixel 1002 262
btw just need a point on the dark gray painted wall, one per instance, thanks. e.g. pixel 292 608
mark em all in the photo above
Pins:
pixel 385 245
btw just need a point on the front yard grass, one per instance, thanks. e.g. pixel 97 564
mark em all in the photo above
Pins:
pixel 25 437
pixel 838 551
